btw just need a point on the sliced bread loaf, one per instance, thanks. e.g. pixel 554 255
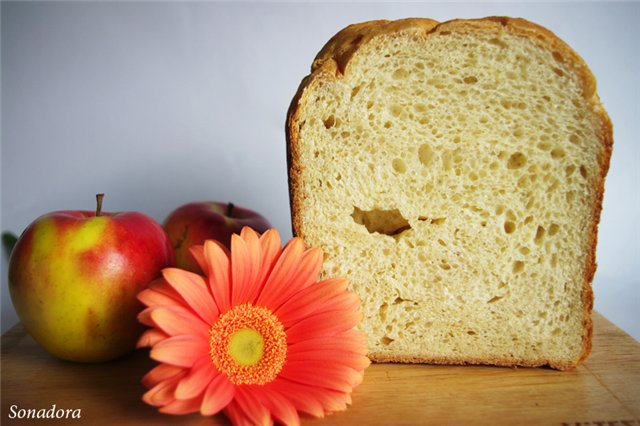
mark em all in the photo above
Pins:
pixel 454 173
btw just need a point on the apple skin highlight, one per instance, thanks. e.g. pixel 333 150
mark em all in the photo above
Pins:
pixel 193 223
pixel 74 278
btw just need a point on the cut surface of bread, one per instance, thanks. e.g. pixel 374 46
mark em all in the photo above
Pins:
pixel 454 173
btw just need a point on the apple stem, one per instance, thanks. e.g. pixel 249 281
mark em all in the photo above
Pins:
pixel 229 209
pixel 99 198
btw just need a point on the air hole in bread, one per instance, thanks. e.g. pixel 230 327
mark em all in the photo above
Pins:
pixel 516 161
pixel 472 79
pixel 569 170
pixel 387 222
pixel 498 42
pixel 386 340
pixel 509 227
pixel 400 73
pixel 557 153
pixel 444 265
pixel 426 154
pixel 395 110
pixel 583 171
pixel 518 266
pixel 355 91
pixel 545 146
pixel 399 165
pixel 382 312
pixel 494 299
pixel 446 161
pixel 329 122
pixel 539 235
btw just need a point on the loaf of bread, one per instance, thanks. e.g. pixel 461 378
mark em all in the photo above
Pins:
pixel 454 173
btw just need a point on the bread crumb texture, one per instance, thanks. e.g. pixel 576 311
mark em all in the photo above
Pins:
pixel 454 174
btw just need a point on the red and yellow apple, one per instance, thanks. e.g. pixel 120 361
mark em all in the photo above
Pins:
pixel 193 223
pixel 74 277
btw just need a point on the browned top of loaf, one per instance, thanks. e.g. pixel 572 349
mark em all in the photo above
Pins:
pixel 333 60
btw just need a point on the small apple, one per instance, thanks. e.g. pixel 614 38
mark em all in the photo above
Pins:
pixel 74 277
pixel 193 223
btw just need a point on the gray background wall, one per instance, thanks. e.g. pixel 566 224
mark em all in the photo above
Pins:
pixel 158 104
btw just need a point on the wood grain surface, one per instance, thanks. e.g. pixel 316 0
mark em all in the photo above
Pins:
pixel 604 390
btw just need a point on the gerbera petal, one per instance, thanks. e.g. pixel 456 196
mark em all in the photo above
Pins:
pixel 218 395
pixel 160 373
pixel 308 269
pixel 311 399
pixel 248 233
pixel 181 406
pixel 322 374
pixel 247 398
pixel 323 324
pixel 162 286
pixel 302 399
pixel 162 393
pixel 283 271
pixel 252 240
pixel 350 341
pixel 150 337
pixel 182 351
pixel 145 317
pixel 217 258
pixel 348 359
pixel 197 251
pixel 305 274
pixel 196 380
pixel 271 247
pixel 280 407
pixel 346 301
pixel 176 320
pixel 309 300
pixel 152 298
pixel 194 291
pixel 236 415
pixel 245 266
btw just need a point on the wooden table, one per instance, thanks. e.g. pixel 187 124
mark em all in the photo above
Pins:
pixel 604 390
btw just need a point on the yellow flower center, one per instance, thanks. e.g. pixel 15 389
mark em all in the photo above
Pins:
pixel 248 344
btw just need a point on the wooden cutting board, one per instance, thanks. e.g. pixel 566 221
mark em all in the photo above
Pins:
pixel 604 390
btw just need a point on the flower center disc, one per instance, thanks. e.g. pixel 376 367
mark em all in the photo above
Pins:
pixel 248 344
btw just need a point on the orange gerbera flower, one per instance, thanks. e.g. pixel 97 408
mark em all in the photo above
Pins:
pixel 258 337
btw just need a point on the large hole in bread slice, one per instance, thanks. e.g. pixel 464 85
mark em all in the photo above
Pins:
pixel 387 222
